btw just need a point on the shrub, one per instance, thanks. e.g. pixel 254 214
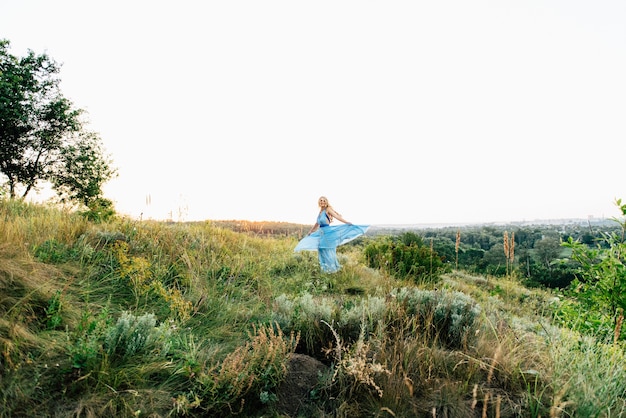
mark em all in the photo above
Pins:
pixel 447 316
pixel 52 251
pixel 251 372
pixel 53 311
pixel 100 210
pixel 86 342
pixel 355 366
pixel 404 256
pixel 362 316
pixel 304 315
pixel 133 335
pixel 143 281
pixel 601 282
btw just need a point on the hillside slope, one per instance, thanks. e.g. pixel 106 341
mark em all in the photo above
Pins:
pixel 153 319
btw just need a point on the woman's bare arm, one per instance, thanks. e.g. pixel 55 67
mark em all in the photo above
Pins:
pixel 335 215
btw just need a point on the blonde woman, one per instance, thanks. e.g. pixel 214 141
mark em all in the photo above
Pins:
pixel 325 238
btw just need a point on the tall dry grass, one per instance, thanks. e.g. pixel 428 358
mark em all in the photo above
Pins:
pixel 161 319
pixel 196 279
pixel 25 225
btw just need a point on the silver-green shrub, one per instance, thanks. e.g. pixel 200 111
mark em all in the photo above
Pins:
pixel 132 335
pixel 302 311
pixel 283 311
pixel 448 316
pixel 366 314
pixel 304 314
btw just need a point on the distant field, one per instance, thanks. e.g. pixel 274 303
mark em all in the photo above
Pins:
pixel 264 227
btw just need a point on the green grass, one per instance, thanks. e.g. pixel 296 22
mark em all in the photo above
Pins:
pixel 156 319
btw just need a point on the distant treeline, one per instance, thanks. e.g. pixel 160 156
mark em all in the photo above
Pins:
pixel 538 255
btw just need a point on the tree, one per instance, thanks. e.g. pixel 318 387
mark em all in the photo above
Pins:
pixel 42 138
pixel 547 250
pixel 82 170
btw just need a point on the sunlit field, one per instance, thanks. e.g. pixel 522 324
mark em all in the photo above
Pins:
pixel 153 319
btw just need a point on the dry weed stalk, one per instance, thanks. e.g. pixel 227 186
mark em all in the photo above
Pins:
pixel 356 363
pixel 509 250
pixel 486 402
pixel 387 410
pixel 506 244
pixel 558 405
pixel 475 396
pixel 408 382
pixel 267 350
pixel 485 405
pixel 498 403
pixel 494 361
pixel 338 348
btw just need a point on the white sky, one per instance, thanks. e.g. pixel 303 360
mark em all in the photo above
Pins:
pixel 398 111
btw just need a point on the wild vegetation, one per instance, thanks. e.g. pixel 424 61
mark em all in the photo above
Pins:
pixel 44 139
pixel 125 318
pixel 102 316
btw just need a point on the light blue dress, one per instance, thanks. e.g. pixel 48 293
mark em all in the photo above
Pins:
pixel 326 240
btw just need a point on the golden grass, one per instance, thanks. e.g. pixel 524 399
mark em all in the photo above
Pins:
pixel 27 225
pixel 212 284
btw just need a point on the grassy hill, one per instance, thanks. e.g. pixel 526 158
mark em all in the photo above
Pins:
pixel 151 319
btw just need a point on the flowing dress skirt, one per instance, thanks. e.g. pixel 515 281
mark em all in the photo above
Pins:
pixel 326 240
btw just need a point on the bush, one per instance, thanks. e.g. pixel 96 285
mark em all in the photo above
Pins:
pixel 447 316
pixel 250 373
pixel 404 256
pixel 304 315
pixel 100 210
pixel 133 335
pixel 362 316
pixel 52 251
pixel 600 285
pixel 558 276
pixel 85 349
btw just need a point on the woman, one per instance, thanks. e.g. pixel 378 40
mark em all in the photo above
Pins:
pixel 325 238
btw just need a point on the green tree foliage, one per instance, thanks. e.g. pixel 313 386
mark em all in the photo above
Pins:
pixel 539 259
pixel 404 256
pixel 558 275
pixel 547 250
pixel 82 171
pixel 42 138
pixel 601 281
pixel 546 265
pixel 495 260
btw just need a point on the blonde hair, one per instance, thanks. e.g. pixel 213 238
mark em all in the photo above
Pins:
pixel 328 215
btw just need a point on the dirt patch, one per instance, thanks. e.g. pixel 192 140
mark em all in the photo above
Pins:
pixel 302 375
